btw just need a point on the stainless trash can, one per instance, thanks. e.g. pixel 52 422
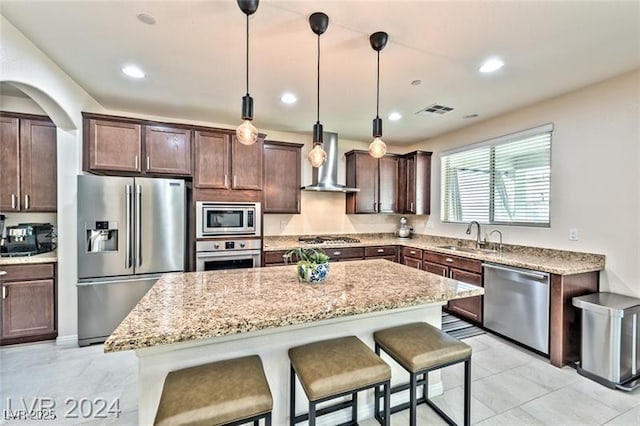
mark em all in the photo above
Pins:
pixel 610 342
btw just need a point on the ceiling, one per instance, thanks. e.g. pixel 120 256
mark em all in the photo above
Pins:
pixel 194 57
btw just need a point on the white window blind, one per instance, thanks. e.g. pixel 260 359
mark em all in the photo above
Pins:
pixel 502 181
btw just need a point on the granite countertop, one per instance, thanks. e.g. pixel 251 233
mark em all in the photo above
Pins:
pixel 50 257
pixel 183 307
pixel 561 262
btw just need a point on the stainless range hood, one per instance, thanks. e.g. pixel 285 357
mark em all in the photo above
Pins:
pixel 325 178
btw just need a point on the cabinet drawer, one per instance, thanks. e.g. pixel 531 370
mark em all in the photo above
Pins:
pixel 272 258
pixel 411 252
pixel 344 253
pixel 27 272
pixel 380 251
pixel 454 261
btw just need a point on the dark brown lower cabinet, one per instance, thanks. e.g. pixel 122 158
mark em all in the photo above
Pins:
pixel 461 269
pixel 28 311
pixel 381 252
pixel 411 257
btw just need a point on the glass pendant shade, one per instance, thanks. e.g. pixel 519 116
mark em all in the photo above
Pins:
pixel 317 157
pixel 247 133
pixel 377 148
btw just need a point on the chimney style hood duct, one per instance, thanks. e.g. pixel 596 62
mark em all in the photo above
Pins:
pixel 325 178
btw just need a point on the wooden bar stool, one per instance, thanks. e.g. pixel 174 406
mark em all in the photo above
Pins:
pixel 420 348
pixel 333 368
pixel 230 392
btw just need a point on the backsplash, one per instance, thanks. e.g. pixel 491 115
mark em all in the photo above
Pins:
pixel 324 213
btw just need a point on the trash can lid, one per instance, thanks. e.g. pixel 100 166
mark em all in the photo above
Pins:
pixel 611 304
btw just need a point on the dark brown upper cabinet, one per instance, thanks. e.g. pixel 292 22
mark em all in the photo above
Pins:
pixel 224 163
pixel 377 180
pixel 281 179
pixel 127 146
pixel 28 163
pixel 415 187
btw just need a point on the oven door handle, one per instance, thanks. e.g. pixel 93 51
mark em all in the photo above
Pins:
pixel 222 255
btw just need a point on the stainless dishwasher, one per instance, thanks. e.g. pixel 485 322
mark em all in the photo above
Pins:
pixel 516 304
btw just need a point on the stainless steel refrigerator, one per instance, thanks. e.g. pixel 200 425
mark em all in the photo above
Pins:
pixel 130 231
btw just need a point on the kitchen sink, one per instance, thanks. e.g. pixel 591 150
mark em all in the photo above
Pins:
pixel 469 249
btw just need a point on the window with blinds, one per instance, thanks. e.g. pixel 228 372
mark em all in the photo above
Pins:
pixel 503 181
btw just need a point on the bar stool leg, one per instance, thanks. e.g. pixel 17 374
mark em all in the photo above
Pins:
pixel 354 408
pixel 312 413
pixel 267 420
pixel 425 387
pixel 467 392
pixel 387 403
pixel 292 398
pixel 412 399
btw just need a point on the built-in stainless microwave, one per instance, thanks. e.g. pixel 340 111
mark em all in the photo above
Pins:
pixel 219 219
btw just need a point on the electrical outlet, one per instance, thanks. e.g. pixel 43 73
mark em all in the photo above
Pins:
pixel 573 234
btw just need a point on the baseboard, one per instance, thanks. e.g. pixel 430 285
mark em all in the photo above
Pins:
pixel 71 340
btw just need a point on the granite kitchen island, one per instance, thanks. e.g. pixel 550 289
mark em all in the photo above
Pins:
pixel 190 319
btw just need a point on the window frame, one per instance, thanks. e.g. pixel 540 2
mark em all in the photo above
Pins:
pixel 491 144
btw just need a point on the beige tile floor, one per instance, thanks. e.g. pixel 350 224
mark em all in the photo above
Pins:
pixel 510 386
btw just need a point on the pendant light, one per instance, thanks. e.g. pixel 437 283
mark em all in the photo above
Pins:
pixel 317 157
pixel 377 148
pixel 246 132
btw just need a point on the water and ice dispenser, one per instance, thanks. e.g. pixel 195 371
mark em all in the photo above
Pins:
pixel 101 236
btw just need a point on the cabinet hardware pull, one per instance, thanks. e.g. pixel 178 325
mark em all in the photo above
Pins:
pixel 13 201
pixel 374 206
pixel 148 163
pixel 380 250
pixel 234 181
pixel 5 292
pixel 336 253
pixel 3 273
pixel 27 200
pixel 412 252
pixel 444 273
pixel 411 208
pixel 298 205
pixel 225 181
pixel 448 259
pixel 135 160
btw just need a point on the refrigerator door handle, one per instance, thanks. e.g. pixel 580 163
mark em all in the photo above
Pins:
pixel 127 245
pixel 138 246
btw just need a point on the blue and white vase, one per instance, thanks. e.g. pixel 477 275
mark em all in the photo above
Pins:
pixel 313 274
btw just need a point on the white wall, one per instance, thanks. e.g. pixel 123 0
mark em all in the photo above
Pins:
pixel 595 175
pixel 22 105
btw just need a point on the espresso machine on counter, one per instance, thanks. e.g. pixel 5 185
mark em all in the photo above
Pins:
pixel 26 239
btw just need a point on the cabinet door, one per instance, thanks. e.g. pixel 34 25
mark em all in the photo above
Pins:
pixel 28 308
pixel 468 307
pixel 246 165
pixel 9 164
pixel 388 185
pixel 434 268
pixel 411 185
pixel 168 150
pixel 212 160
pixel 114 146
pixel 281 178
pixel 413 262
pixel 38 165
pixel 362 173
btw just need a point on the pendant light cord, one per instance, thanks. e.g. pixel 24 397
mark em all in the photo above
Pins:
pixel 378 89
pixel 247 56
pixel 318 87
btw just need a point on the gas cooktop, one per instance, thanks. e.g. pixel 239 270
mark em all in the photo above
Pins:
pixel 321 239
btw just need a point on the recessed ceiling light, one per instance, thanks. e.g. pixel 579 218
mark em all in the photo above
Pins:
pixel 288 98
pixel 133 71
pixel 146 18
pixel 416 82
pixel 491 65
pixel 395 116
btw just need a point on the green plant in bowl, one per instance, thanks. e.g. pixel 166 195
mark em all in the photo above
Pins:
pixel 312 265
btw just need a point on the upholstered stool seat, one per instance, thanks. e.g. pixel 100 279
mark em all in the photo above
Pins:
pixel 332 368
pixel 420 348
pixel 229 392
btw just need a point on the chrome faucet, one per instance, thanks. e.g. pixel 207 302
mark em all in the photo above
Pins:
pixel 500 246
pixel 479 242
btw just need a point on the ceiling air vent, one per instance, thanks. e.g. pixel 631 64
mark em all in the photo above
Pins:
pixel 435 109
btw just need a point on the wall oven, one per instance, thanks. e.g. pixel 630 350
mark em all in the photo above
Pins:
pixel 214 255
pixel 226 219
